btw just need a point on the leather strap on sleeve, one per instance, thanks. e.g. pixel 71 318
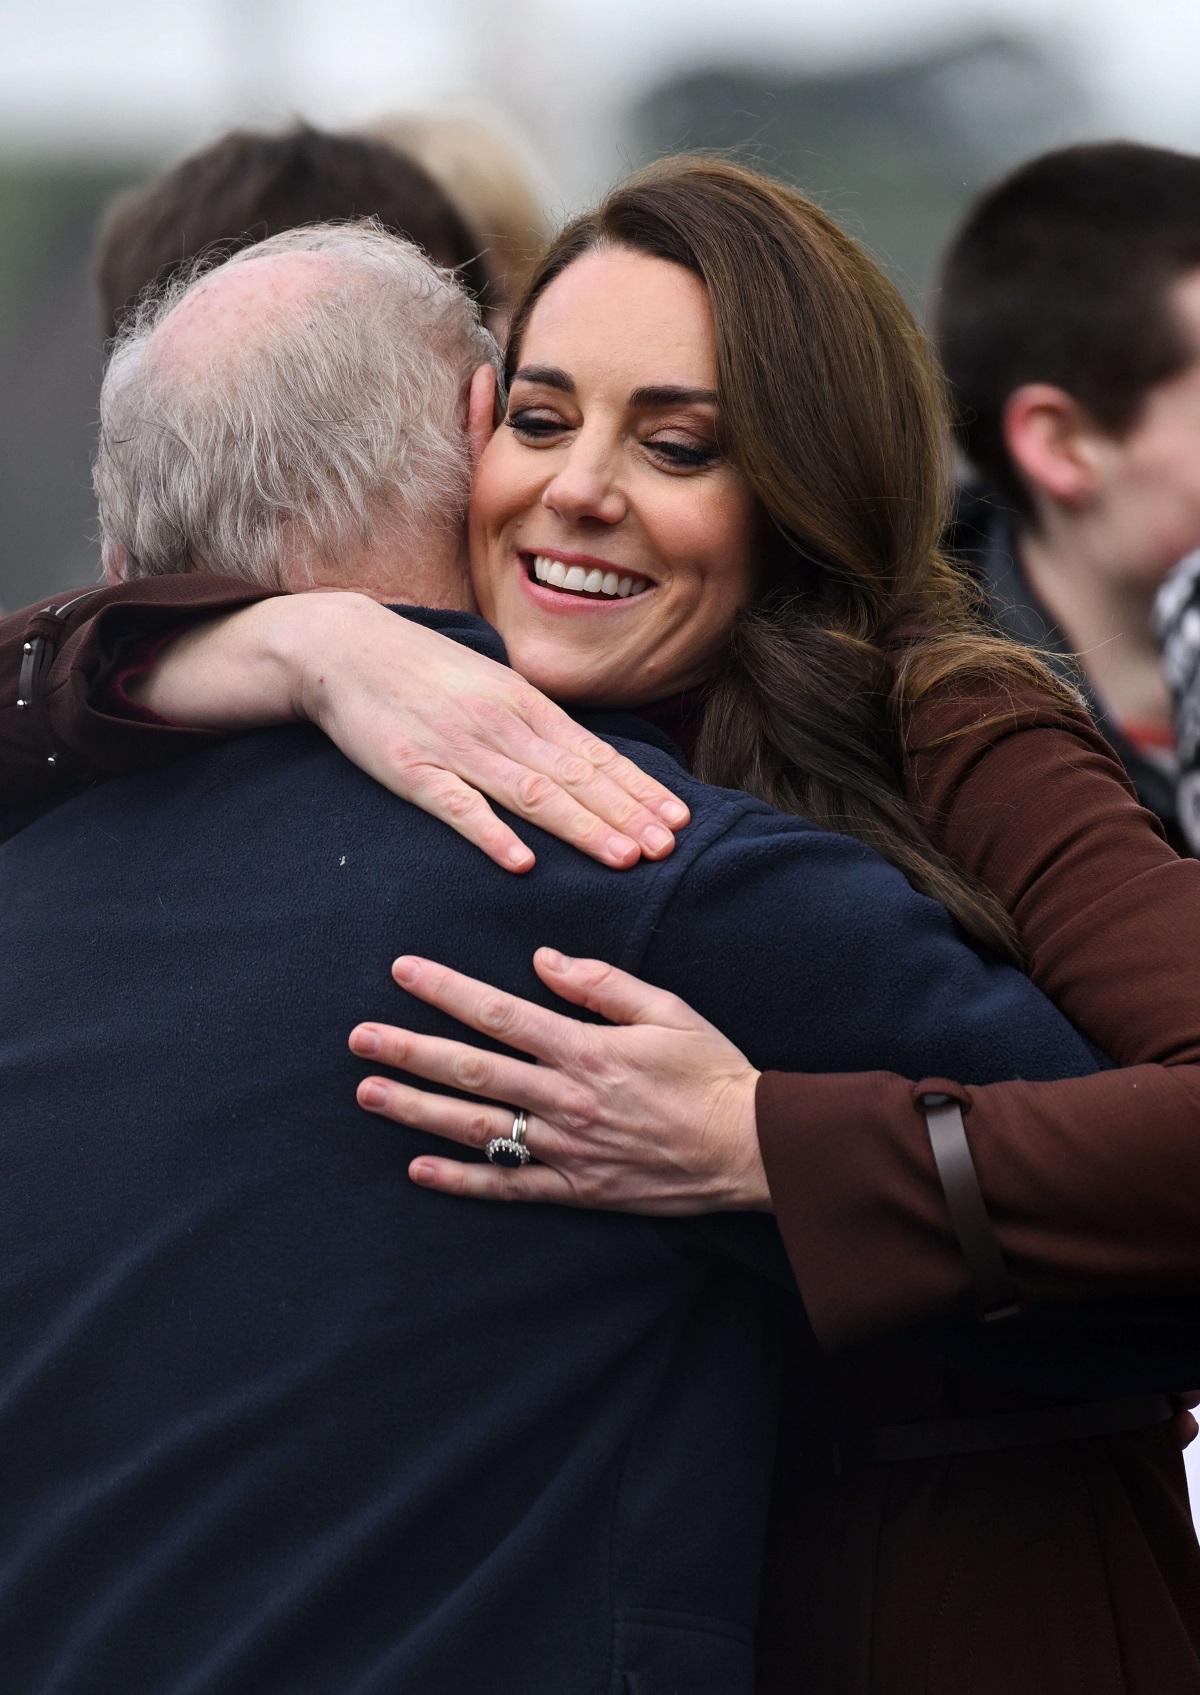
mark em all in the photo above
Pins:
pixel 995 1292
pixel 37 656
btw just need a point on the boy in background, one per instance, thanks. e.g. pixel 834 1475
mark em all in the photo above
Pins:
pixel 1069 327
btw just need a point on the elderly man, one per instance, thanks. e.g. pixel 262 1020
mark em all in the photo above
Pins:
pixel 272 1418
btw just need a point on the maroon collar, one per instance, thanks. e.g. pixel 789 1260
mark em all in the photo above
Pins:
pixel 680 717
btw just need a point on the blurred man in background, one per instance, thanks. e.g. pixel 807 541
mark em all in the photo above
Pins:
pixel 250 184
pixel 1069 325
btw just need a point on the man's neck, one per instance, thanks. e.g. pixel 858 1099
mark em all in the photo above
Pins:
pixel 1105 619
pixel 432 573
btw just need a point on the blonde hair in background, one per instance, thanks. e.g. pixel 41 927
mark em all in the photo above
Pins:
pixel 490 172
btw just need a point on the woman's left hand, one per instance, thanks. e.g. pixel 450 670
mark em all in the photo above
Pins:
pixel 652 1114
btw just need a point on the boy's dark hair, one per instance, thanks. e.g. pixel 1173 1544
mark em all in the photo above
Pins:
pixel 251 184
pixel 1061 274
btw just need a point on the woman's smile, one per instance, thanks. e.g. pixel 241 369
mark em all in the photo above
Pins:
pixel 581 577
pixel 611 535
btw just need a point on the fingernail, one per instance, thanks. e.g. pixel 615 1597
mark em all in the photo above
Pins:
pixel 657 840
pixel 620 847
pixel 554 960
pixel 371 1093
pixel 674 812
pixel 406 970
pixel 421 1171
pixel 519 856
pixel 364 1040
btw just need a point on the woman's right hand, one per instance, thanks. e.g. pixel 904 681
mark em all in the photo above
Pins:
pixel 434 722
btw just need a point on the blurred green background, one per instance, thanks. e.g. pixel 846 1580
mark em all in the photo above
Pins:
pixel 895 151
pixel 50 364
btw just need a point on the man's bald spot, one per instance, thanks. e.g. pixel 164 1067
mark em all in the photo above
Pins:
pixel 234 304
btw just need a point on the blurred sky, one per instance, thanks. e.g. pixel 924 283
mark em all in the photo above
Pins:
pixel 139 75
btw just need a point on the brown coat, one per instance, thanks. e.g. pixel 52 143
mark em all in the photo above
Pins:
pixel 1063 1569
pixel 1067 1568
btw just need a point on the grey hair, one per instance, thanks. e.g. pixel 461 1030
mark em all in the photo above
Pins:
pixel 332 423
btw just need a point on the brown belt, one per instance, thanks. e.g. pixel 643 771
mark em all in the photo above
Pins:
pixel 944 1438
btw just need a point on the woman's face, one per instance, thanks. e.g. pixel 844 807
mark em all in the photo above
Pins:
pixel 611 540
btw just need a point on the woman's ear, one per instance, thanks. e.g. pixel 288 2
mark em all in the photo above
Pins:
pixel 1052 441
pixel 481 411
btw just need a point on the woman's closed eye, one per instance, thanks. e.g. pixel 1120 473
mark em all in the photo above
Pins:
pixel 536 424
pixel 683 455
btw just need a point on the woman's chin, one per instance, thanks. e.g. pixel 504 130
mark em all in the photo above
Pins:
pixel 574 680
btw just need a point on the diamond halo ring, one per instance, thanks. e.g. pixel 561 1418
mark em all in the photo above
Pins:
pixel 510 1150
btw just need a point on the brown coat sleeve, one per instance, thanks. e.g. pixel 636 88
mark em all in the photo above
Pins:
pixel 59 738
pixel 1092 1183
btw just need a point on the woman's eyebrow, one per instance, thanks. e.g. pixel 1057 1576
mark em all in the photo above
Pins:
pixel 546 376
pixel 671 394
pixel 657 394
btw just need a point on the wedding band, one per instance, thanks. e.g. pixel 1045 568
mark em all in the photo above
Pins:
pixel 510 1149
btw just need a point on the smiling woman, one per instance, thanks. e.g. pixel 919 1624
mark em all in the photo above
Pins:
pixel 599 476
pixel 715 393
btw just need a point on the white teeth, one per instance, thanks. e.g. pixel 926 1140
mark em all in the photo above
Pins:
pixel 576 579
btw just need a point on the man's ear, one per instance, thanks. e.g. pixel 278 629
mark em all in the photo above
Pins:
pixel 1053 442
pixel 481 411
pixel 116 564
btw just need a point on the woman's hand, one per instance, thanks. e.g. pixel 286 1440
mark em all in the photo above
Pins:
pixel 434 722
pixel 655 1115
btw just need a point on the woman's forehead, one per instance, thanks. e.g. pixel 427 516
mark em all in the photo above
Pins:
pixel 627 315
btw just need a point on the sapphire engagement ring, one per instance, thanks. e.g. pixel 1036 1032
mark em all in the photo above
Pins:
pixel 510 1149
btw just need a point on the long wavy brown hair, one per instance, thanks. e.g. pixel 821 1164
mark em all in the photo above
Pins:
pixel 833 409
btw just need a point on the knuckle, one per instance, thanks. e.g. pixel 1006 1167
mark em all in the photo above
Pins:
pixel 494 713
pixel 576 1112
pixel 452 736
pixel 533 791
pixel 603 755
pixel 591 1067
pixel 598 973
pixel 407 758
pixel 497 1013
pixel 471 1071
pixel 478 1131
pixel 572 773
pixel 628 813
pixel 459 802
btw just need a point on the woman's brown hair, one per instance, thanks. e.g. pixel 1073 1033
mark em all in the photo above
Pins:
pixel 833 409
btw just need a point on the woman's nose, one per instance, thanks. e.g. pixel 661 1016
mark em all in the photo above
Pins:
pixel 584 488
